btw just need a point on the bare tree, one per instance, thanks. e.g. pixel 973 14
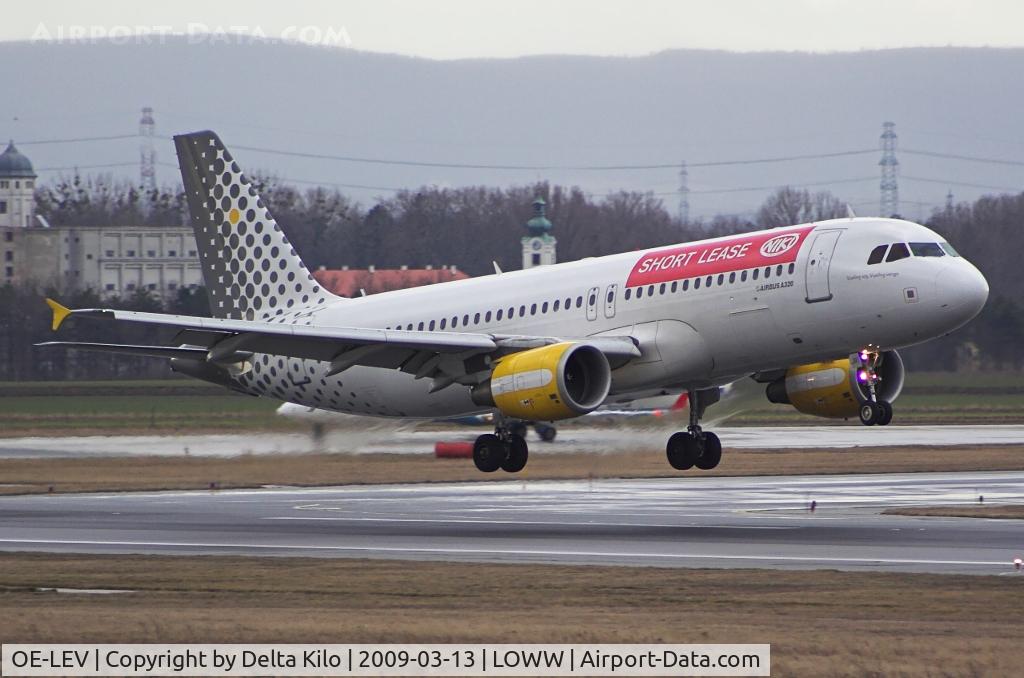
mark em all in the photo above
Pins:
pixel 788 206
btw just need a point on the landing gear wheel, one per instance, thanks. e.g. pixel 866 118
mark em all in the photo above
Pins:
pixel 712 453
pixel 489 453
pixel 870 413
pixel 682 451
pixel 518 453
pixel 518 429
pixel 546 433
pixel 886 413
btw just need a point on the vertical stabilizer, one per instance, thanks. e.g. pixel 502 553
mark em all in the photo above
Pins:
pixel 251 270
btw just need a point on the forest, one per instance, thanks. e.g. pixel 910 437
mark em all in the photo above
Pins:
pixel 470 227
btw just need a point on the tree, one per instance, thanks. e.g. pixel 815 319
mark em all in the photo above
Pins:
pixel 789 206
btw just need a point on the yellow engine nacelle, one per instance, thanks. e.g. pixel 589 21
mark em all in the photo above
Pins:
pixel 831 389
pixel 551 382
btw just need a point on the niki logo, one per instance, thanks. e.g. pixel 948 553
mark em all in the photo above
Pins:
pixel 780 244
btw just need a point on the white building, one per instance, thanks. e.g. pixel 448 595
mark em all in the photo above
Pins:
pixel 539 245
pixel 17 186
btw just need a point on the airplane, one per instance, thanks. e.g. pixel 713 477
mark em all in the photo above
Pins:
pixel 816 312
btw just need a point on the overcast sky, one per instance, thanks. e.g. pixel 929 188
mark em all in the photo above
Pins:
pixel 447 29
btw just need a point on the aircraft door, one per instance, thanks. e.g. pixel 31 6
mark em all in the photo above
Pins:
pixel 819 259
pixel 609 301
pixel 592 295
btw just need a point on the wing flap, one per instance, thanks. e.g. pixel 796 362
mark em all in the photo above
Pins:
pixel 187 352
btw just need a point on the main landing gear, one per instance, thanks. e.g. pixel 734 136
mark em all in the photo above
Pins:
pixel 694 446
pixel 502 449
pixel 874 411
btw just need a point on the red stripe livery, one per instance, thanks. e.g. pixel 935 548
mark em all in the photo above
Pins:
pixel 722 256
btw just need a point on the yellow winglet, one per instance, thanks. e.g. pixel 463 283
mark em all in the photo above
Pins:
pixel 59 313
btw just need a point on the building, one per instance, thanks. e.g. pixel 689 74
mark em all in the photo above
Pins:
pixel 112 260
pixel 17 189
pixel 348 282
pixel 539 245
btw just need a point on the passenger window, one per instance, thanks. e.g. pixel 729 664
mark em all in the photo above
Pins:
pixel 743 276
pixel 650 290
pixel 533 309
pixel 778 270
pixel 732 277
pixel 579 302
pixel 675 286
pixel 592 300
pixel 611 296
pixel 568 303
pixel 877 255
pixel 544 307
pixel 661 290
pixel 522 311
pixel 707 282
pixel 767 272
pixel 511 313
pixel 409 327
pixel 432 324
pixel 926 249
pixel 465 320
pixel 686 285
pixel 476 318
pixel 629 293
pixel 755 274
pixel 420 327
pixel 443 322
pixel 792 267
pixel 898 251
pixel 721 279
pixel 559 301
pixel 696 283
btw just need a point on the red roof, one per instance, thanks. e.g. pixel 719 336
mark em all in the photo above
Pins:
pixel 347 283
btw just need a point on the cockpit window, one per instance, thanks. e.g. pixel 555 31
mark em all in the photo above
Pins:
pixel 926 249
pixel 949 249
pixel 898 251
pixel 877 254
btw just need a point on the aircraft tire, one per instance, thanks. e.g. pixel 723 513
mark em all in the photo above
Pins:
pixel 518 454
pixel 546 433
pixel 886 417
pixel 712 453
pixel 681 451
pixel 489 453
pixel 870 413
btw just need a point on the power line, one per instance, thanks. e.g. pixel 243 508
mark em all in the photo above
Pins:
pixel 970 158
pixel 40 142
pixel 598 168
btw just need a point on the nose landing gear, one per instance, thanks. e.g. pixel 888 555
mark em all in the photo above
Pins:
pixel 502 449
pixel 695 447
pixel 874 411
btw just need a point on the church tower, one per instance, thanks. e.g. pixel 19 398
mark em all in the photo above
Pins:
pixel 539 245
pixel 17 189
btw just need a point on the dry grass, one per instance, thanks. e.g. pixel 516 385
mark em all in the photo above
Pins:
pixel 21 476
pixel 819 623
pixel 1009 512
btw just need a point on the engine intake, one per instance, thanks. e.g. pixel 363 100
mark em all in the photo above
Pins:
pixel 831 389
pixel 551 382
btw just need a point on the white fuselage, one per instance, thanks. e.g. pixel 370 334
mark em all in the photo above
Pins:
pixel 820 300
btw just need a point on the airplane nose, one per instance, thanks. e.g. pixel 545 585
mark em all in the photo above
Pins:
pixel 962 291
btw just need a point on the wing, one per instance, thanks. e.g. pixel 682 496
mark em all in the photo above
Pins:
pixel 446 357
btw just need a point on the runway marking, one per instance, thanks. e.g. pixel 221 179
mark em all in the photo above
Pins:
pixel 524 522
pixel 511 552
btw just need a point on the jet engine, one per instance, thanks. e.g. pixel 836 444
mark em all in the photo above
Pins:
pixel 559 381
pixel 836 389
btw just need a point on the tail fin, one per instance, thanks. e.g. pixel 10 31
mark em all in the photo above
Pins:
pixel 251 270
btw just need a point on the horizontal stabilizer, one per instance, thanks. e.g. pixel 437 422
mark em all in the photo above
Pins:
pixel 190 353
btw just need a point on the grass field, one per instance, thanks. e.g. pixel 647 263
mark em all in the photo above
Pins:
pixel 177 405
pixel 819 623
pixel 30 476
pixel 1005 512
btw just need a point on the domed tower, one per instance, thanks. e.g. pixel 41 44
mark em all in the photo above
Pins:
pixel 17 188
pixel 539 245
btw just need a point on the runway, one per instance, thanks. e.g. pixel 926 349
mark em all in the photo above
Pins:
pixel 385 439
pixel 681 522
